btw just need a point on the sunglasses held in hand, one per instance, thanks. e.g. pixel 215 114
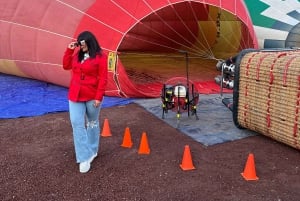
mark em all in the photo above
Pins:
pixel 80 43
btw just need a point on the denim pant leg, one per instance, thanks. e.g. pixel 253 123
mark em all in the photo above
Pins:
pixel 93 128
pixel 77 116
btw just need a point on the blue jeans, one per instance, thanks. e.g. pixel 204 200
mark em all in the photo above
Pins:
pixel 86 130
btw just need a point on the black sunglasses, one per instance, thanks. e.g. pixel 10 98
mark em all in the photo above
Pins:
pixel 80 43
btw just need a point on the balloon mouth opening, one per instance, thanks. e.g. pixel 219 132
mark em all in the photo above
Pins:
pixel 152 51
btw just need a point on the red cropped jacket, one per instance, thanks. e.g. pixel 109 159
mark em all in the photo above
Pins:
pixel 88 79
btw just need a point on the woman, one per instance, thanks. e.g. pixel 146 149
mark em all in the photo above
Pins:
pixel 86 91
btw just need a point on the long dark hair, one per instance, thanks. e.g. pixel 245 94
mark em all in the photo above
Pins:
pixel 92 44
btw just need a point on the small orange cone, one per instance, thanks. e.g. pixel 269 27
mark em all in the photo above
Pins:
pixel 144 147
pixel 106 129
pixel 249 170
pixel 127 142
pixel 187 163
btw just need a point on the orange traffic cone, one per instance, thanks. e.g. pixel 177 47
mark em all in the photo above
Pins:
pixel 187 163
pixel 106 129
pixel 127 139
pixel 249 170
pixel 144 146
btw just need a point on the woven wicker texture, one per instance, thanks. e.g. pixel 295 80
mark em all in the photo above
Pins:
pixel 269 94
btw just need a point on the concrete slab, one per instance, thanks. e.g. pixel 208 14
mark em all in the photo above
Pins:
pixel 215 124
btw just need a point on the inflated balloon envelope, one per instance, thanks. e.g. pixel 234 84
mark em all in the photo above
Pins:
pixel 33 40
pixel 266 95
pixel 208 28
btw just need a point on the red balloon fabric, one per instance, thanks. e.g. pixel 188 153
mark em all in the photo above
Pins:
pixel 34 35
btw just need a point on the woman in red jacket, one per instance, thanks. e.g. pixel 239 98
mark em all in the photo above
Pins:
pixel 88 66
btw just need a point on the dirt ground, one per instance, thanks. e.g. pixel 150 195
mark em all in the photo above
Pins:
pixel 37 163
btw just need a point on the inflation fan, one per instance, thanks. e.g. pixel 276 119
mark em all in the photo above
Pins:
pixel 180 95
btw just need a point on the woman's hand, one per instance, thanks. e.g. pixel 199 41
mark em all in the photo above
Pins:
pixel 97 103
pixel 72 45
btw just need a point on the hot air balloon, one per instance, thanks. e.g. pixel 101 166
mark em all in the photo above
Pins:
pixel 276 23
pixel 142 38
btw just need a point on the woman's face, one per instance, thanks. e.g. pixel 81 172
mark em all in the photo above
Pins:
pixel 83 46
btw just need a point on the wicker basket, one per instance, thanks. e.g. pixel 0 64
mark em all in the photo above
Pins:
pixel 266 96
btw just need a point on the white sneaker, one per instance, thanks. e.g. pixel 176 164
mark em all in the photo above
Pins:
pixel 85 166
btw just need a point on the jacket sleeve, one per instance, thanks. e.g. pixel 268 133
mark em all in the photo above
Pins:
pixel 67 59
pixel 102 77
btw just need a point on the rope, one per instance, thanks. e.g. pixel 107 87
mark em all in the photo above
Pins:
pixel 211 55
pixel 33 62
pixel 97 20
pixel 35 28
pixel 184 24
